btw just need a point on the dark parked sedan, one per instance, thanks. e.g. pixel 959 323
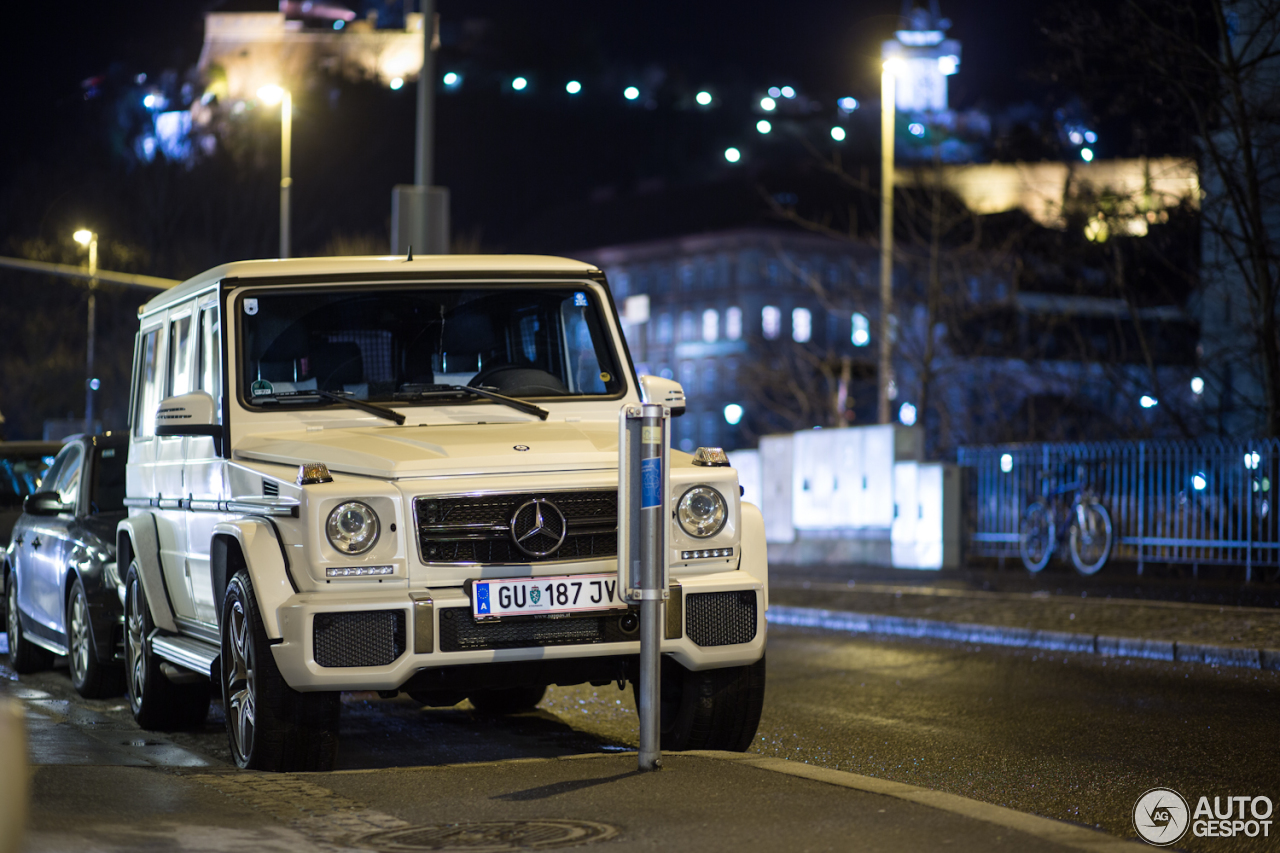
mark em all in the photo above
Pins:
pixel 61 583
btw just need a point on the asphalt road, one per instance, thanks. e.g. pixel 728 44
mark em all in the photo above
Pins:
pixel 1077 738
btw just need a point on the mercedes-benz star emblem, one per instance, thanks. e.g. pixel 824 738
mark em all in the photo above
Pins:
pixel 538 527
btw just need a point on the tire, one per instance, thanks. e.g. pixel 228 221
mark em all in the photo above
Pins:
pixel 24 656
pixel 1037 538
pixel 1090 539
pixel 711 709
pixel 507 700
pixel 156 702
pixel 270 726
pixel 92 678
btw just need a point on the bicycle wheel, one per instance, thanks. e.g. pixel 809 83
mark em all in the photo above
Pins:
pixel 1090 541
pixel 1037 537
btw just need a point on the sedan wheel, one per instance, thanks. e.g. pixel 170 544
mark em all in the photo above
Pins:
pixel 24 655
pixel 91 678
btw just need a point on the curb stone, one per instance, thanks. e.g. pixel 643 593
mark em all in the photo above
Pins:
pixel 996 635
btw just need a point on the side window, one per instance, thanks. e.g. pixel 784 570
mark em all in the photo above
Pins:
pixel 148 394
pixel 68 483
pixel 180 378
pixel 210 367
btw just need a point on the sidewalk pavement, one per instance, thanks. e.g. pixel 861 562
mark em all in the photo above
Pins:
pixel 1047 618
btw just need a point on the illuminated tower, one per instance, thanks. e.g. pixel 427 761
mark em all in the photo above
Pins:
pixel 928 58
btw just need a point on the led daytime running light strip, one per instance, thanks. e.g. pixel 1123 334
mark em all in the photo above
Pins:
pixel 710 552
pixel 359 571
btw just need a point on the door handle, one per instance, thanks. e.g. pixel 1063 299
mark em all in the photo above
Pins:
pixel 35 543
pixel 18 541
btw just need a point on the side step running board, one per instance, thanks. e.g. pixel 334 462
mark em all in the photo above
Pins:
pixel 187 652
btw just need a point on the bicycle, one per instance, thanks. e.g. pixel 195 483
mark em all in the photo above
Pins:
pixel 1085 523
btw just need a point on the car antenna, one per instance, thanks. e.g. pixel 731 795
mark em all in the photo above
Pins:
pixel 410 253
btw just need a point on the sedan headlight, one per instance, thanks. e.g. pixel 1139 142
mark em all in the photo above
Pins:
pixel 352 527
pixel 702 512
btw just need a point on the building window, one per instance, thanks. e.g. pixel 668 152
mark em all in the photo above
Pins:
pixel 662 329
pixel 733 323
pixel 771 322
pixel 688 326
pixel 687 377
pixel 710 325
pixel 861 334
pixel 801 325
pixel 709 375
pixel 687 276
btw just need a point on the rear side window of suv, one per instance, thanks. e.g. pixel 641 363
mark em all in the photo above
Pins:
pixel 148 396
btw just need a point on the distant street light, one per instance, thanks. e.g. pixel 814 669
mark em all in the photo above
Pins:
pixel 1148 402
pixel 573 87
pixel 768 104
pixel 272 95
pixel 763 126
pixel 733 414
pixel 89 239
pixel 704 98
pixel 397 83
pixel 519 84
pixel 887 94
pixel 733 155
pixel 631 93
pixel 837 133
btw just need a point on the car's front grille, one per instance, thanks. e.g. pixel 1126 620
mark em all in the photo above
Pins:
pixel 459 632
pixel 360 638
pixel 478 528
pixel 720 618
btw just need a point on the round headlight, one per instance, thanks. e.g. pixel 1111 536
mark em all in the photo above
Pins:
pixel 702 512
pixel 352 527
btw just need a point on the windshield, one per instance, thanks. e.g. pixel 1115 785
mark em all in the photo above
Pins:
pixel 20 475
pixel 401 343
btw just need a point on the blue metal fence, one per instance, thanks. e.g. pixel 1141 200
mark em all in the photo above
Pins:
pixel 1202 502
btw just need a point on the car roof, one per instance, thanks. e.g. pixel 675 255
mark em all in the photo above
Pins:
pixel 371 265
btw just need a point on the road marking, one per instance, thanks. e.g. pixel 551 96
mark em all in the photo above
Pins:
pixel 1047 829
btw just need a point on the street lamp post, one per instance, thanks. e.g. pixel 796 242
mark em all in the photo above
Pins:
pixel 272 95
pixel 88 238
pixel 887 94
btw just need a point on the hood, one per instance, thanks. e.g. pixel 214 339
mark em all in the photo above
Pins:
pixel 393 452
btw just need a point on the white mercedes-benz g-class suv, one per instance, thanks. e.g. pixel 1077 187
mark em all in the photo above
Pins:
pixel 401 475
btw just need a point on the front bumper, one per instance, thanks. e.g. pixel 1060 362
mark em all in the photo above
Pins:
pixel 295 654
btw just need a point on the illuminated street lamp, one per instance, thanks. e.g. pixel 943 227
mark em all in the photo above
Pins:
pixel 89 240
pixel 892 67
pixel 272 95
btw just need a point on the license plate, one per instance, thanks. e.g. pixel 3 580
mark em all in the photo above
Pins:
pixel 539 596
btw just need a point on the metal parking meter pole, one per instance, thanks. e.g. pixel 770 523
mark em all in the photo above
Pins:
pixel 643 446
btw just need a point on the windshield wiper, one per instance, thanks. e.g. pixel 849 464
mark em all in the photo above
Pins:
pixel 371 408
pixel 450 390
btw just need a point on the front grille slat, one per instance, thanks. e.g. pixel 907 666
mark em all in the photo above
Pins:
pixel 359 638
pixel 477 528
pixel 720 618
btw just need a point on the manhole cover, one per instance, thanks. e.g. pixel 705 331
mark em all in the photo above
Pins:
pixel 490 836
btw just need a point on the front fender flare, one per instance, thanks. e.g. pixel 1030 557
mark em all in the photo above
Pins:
pixel 137 537
pixel 264 559
pixel 755 552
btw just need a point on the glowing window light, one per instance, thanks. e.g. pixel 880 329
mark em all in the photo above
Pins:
pixel 573 87
pixel 907 414
pixel 861 334
pixel 771 322
pixel 733 323
pixel 1086 154
pixel 837 133
pixel 788 92
pixel 948 65
pixel 1197 385
pixel 631 93
pixel 710 325
pixel 1148 402
pixel 768 104
pixel 733 155
pixel 801 325
pixel 1252 460
pixel 916 129
pixel 397 83
pixel 763 126
pixel 519 84
pixel 733 414
pixel 453 79
pixel 703 98
pixel 1006 462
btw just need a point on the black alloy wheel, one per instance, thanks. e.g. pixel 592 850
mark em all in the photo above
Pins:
pixel 156 702
pixel 710 709
pixel 92 678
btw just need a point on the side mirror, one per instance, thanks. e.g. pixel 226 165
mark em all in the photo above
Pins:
pixel 45 503
pixel 655 389
pixel 190 414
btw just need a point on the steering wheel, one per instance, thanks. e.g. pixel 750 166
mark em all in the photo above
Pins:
pixel 513 379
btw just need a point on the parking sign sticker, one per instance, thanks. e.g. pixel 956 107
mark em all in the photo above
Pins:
pixel 650 483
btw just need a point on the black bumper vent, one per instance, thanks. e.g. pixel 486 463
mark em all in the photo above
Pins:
pixel 477 528
pixel 363 638
pixel 720 618
pixel 461 633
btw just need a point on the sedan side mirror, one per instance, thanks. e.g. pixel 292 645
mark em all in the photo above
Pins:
pixel 668 392
pixel 190 414
pixel 45 503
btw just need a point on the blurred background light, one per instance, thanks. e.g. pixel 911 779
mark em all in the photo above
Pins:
pixel 861 334
pixel 768 104
pixel 397 83
pixel 1148 402
pixel 1086 155
pixel 519 84
pixel 339 24
pixel 1090 137
pixel 775 92
pixel 1197 385
pixel 631 93
pixel 907 414
pixel 916 128
pixel 453 80
pixel 1006 462
pixel 848 104
pixel 788 92
pixel 573 87
pixel 703 98
pixel 837 133
pixel 763 126
pixel 1199 481
pixel 733 414
pixel 733 155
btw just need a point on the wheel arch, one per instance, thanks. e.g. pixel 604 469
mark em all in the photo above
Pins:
pixel 252 544
pixel 138 539
pixel 755 550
